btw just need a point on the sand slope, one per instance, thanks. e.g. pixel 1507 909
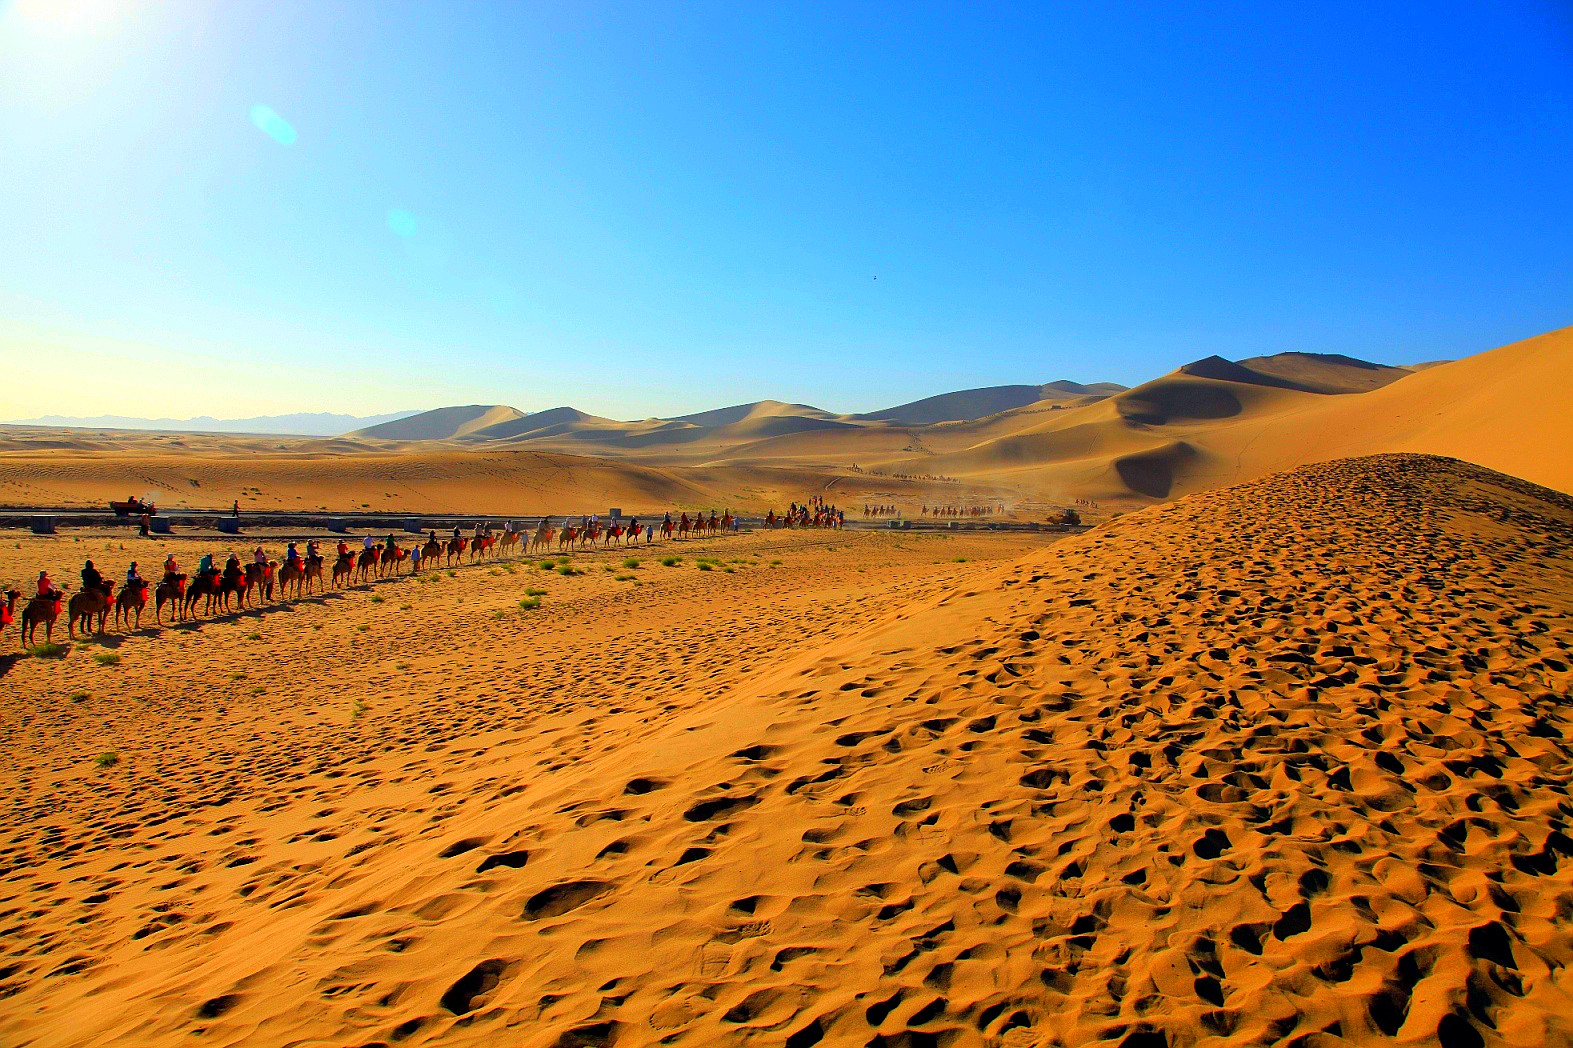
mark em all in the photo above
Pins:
pixel 1282 763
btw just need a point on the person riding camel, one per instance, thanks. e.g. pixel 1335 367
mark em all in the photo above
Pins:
pixel 292 555
pixel 259 558
pixel 134 578
pixel 456 531
pixel 433 536
pixel 312 553
pixel 479 531
pixel 205 566
pixel 46 587
pixel 390 544
pixel 344 549
pixel 232 572
pixel 365 543
pixel 91 578
pixel 171 570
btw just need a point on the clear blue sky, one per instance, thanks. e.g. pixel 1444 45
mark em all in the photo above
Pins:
pixel 644 209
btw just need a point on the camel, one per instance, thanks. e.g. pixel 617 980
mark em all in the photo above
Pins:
pixel 8 609
pixel 480 547
pixel 367 561
pixel 566 537
pixel 292 573
pixel 666 529
pixel 313 574
pixel 259 582
pixel 206 586
pixel 88 603
pixel 542 538
pixel 131 599
pixel 40 609
pixel 456 549
pixel 390 560
pixel 507 542
pixel 172 592
pixel 232 585
pixel 343 568
pixel 431 551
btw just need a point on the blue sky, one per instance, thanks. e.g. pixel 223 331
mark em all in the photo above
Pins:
pixel 646 209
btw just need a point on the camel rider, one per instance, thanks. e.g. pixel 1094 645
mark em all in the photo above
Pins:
pixel 344 549
pixel 456 531
pixel 46 588
pixel 232 570
pixel 259 558
pixel 133 578
pixel 312 553
pixel 479 531
pixel 365 543
pixel 433 536
pixel 390 544
pixel 205 566
pixel 292 555
pixel 91 579
pixel 171 570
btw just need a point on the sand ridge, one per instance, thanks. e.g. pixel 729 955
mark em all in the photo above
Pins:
pixel 1283 763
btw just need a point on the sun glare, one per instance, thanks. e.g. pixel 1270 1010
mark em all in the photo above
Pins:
pixel 76 16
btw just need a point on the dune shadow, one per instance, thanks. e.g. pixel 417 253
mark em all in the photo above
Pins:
pixel 1163 402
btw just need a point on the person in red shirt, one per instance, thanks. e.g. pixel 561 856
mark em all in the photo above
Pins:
pixel 46 588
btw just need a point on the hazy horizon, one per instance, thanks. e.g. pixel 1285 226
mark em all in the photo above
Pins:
pixel 241 210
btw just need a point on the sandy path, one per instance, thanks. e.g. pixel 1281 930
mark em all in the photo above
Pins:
pixel 1284 763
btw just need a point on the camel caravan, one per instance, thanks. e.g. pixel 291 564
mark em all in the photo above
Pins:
pixel 236 586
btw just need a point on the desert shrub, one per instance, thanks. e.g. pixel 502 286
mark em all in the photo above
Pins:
pixel 107 658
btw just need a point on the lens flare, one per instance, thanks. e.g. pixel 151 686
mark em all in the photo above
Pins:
pixel 273 125
pixel 403 223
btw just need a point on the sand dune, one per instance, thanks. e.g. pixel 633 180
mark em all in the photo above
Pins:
pixel 1208 424
pixel 1282 763
pixel 442 423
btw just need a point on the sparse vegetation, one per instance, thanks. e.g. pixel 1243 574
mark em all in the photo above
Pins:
pixel 533 592
pixel 671 562
pixel 49 650
pixel 958 560
pixel 548 565
pixel 253 636
pixel 237 676
pixel 705 565
pixel 107 759
pixel 79 696
pixel 566 570
pixel 631 562
pixel 362 628
pixel 529 603
pixel 401 665
pixel 107 658
pixel 376 599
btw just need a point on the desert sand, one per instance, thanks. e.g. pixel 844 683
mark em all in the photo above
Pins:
pixel 1282 762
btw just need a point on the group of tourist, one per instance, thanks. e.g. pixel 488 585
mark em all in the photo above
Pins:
pixel 814 513
pixel 960 511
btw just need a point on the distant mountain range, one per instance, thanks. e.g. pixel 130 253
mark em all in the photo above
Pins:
pixel 308 424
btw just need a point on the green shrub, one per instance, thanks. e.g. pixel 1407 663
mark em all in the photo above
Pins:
pixel 535 593
pixel 704 565
pixel 107 759
pixel 107 658
pixel 671 562
pixel 631 562
pixel 529 603
pixel 79 696
pixel 49 650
